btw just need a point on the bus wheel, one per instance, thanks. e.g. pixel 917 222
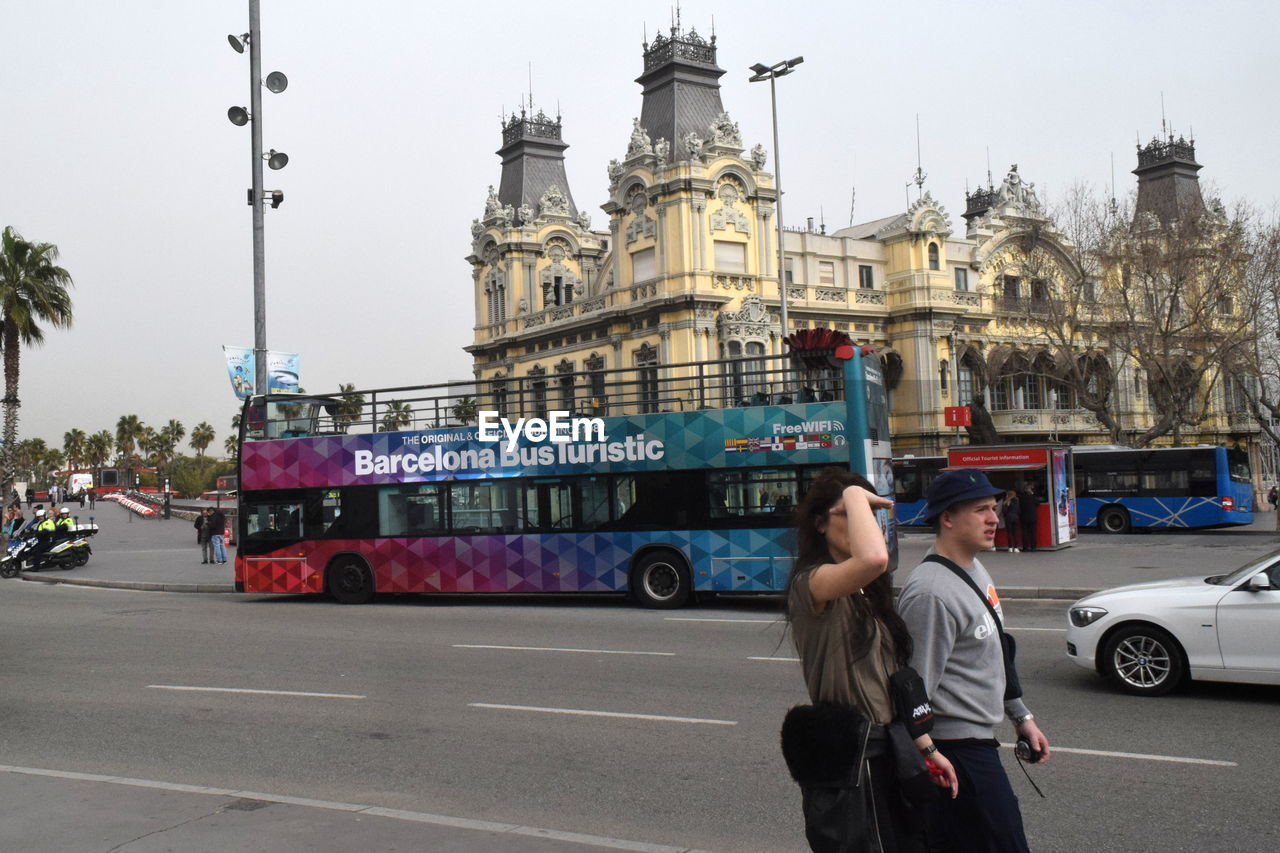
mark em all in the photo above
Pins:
pixel 1113 519
pixel 661 579
pixel 349 581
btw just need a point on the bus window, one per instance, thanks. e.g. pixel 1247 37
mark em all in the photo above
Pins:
pixel 273 522
pixel 752 492
pixel 594 498
pixel 1161 482
pixel 1238 465
pixel 548 505
pixel 484 507
pixel 411 510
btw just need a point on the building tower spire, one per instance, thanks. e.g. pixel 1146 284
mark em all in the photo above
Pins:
pixel 681 88
pixel 532 155
pixel 1167 182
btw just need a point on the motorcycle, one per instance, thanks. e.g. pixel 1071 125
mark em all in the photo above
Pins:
pixel 70 549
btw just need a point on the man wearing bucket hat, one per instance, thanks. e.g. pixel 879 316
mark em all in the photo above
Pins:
pixel 953 612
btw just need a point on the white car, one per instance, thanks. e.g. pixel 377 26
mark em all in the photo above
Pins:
pixel 1149 637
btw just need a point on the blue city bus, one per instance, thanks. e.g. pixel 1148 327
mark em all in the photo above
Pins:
pixel 687 488
pixel 912 476
pixel 1119 489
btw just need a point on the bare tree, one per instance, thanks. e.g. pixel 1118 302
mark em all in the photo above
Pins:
pixel 1166 301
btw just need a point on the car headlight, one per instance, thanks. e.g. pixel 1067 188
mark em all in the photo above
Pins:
pixel 1082 616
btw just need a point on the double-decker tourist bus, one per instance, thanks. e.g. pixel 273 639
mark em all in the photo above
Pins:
pixel 664 483
pixel 1119 489
pixel 911 478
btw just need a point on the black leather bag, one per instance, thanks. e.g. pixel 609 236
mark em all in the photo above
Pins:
pixel 824 744
pixel 1012 684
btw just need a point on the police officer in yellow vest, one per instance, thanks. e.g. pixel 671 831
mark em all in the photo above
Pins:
pixel 45 525
pixel 64 524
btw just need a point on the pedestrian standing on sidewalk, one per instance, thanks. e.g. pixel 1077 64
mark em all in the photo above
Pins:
pixel 31 496
pixel 1012 520
pixel 202 537
pixel 93 496
pixel 952 610
pixel 217 524
pixel 1030 509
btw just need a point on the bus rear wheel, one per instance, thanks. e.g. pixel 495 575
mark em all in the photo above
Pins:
pixel 1113 519
pixel 349 581
pixel 661 580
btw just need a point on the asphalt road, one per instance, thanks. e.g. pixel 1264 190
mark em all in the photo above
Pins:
pixel 575 716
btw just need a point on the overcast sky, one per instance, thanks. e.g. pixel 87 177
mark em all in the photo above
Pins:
pixel 115 146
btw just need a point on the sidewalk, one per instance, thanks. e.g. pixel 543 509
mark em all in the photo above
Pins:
pixel 162 555
pixel 142 553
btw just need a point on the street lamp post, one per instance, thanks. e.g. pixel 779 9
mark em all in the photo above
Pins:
pixel 772 73
pixel 238 116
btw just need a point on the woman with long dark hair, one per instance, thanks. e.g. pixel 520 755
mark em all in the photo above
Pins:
pixel 851 640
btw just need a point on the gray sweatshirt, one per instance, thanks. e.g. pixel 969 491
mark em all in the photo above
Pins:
pixel 957 650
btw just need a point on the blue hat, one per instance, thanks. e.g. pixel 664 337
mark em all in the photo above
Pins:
pixel 953 485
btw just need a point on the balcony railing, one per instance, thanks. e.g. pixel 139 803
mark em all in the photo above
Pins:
pixel 1017 421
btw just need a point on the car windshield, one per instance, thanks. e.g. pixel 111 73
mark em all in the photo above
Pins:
pixel 1244 571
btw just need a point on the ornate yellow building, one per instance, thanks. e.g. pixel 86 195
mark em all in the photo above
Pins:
pixel 687 272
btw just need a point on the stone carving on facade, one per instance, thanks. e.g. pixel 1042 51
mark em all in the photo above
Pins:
pixel 525 212
pixel 642 226
pixel 640 144
pixel 693 145
pixel 1014 191
pixel 724 131
pixel 492 207
pixel 662 150
pixel 476 229
pixel 750 322
pixel 506 215
pixel 728 214
pixel 584 220
pixel 759 157
pixel 553 202
pixel 616 171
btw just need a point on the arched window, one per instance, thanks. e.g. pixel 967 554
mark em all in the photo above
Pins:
pixel 933 257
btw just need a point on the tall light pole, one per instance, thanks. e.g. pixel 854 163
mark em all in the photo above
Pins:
pixel 239 116
pixel 772 73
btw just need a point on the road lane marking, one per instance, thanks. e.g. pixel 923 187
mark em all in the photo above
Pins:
pixel 549 649
pixel 739 621
pixel 787 660
pixel 615 714
pixel 185 688
pixel 1177 759
pixel 360 808
pixel 1017 628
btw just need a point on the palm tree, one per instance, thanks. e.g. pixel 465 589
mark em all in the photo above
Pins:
pixel 129 430
pixel 173 432
pixel 201 437
pixel 29 456
pixel 97 448
pixel 350 407
pixel 398 416
pixel 465 410
pixel 232 448
pixel 33 290
pixel 73 444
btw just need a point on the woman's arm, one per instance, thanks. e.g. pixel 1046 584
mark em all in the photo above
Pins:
pixel 868 554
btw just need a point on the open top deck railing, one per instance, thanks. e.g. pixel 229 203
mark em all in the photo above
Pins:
pixel 644 389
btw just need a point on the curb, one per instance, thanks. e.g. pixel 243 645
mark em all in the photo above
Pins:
pixel 145 586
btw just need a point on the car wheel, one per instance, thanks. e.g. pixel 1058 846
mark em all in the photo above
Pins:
pixel 349 581
pixel 1143 660
pixel 1113 519
pixel 661 580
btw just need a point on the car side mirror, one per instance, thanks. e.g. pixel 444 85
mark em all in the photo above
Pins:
pixel 1259 582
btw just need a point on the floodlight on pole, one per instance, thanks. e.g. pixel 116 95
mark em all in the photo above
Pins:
pixel 238 42
pixel 762 72
pixel 277 160
pixel 276 82
pixel 238 116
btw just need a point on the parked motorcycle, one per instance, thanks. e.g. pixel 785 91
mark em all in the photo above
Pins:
pixel 69 550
